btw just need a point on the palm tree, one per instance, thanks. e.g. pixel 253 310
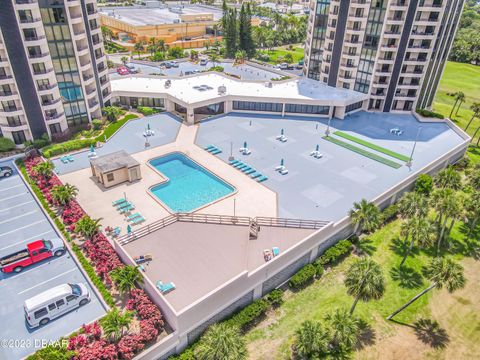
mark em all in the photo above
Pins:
pixel 124 59
pixel 138 47
pixel 457 96
pixel 222 342
pixel 413 204
pixel 114 323
pixel 472 212
pixel 445 202
pixel 441 272
pixel 418 229
pixel 311 340
pixel 87 226
pixel 45 169
pixel 461 99
pixel 111 113
pixel 365 215
pixel 364 281
pixel 344 330
pixel 213 58
pixel 126 278
pixel 107 33
pixel 476 109
pixel 449 178
pixel 63 194
pixel 240 56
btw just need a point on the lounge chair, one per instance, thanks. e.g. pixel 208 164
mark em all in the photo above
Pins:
pixel 127 209
pixel 138 220
pixel 70 158
pixel 116 232
pixel 239 164
pixel 133 216
pixel 267 255
pixel 212 149
pixel 125 204
pixel 255 175
pixel 242 166
pixel 165 288
pixel 275 251
pixel 262 178
pixel 283 172
pixel 209 147
pixel 246 169
pixel 251 171
pixel 142 258
pixel 280 168
pixel 118 202
pixel 233 162
pixel 64 159
pixel 216 152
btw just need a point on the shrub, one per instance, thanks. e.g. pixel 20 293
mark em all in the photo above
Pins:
pixel 424 184
pixel 67 146
pixel 389 213
pixel 6 144
pixel 145 110
pixel 52 352
pixel 463 163
pixel 113 127
pixel 217 68
pixel 97 124
pixel 158 56
pixel 38 143
pixel 335 253
pixel 275 297
pixel 175 52
pixel 430 114
pixel 303 276
pixel 249 314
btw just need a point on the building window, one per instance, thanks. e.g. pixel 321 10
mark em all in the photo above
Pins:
pixel 18 137
pixel 110 177
pixel 55 128
pixel 257 106
pixel 14 121
pixel 353 107
pixel 307 109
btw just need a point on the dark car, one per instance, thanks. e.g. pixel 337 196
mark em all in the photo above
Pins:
pixel 5 171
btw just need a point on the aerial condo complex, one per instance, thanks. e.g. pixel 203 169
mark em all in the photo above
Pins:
pixel 213 187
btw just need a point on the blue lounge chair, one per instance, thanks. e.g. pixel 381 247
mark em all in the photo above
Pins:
pixel 69 158
pixel 127 209
pixel 64 159
pixel 239 164
pixel 209 147
pixel 216 152
pixel 275 251
pixel 233 162
pixel 246 168
pixel 138 220
pixel 251 171
pixel 125 204
pixel 165 288
pixel 116 232
pixel 118 202
pixel 263 178
pixel 212 150
pixel 133 216
pixel 255 175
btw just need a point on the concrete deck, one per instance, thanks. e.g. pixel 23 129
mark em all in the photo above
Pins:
pixel 198 257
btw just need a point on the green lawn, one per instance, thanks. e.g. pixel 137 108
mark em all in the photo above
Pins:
pixel 363 152
pixel 372 146
pixel 279 53
pixel 459 77
pixel 113 127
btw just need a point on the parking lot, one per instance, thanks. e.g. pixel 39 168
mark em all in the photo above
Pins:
pixel 21 222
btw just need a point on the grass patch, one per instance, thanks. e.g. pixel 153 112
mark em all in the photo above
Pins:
pixel 363 152
pixel 276 55
pixel 372 146
pixel 113 127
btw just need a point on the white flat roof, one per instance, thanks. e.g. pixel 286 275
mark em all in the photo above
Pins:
pixel 157 16
pixel 183 89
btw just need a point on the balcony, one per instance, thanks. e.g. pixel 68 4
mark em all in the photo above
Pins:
pixel 53 116
pixel 22 2
pixel 38 55
pixel 46 87
pixel 35 38
pixel 5 79
pixel 11 109
pixel 30 21
pixel 92 103
pixel 90 91
pixel 76 18
pixel 42 71
pixel 50 102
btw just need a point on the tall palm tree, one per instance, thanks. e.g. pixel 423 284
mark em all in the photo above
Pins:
pixel 364 281
pixel 222 342
pixel 44 169
pixel 87 226
pixel 476 110
pixel 461 100
pixel 449 178
pixel 311 340
pixel 63 194
pixel 124 59
pixel 472 212
pixel 474 135
pixel 418 229
pixel 138 47
pixel 413 204
pixel 213 58
pixel 112 113
pixel 365 215
pixel 441 272
pixel 126 278
pixel 446 203
pixel 458 96
pixel 344 330
pixel 114 323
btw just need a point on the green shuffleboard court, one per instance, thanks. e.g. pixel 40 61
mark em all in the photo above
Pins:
pixel 372 146
pixel 363 152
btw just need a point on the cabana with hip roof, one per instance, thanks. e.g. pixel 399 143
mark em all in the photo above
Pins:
pixel 115 168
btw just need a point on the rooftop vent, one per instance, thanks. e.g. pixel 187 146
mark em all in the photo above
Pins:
pixel 222 90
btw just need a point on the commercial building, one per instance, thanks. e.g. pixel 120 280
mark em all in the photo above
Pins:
pixel 53 68
pixel 392 50
pixel 180 25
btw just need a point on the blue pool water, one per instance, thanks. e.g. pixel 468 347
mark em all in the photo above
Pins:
pixel 190 186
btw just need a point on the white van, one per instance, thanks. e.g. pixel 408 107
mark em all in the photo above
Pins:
pixel 54 302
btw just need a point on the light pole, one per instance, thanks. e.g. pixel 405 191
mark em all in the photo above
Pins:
pixel 231 152
pixel 409 162
pixel 327 131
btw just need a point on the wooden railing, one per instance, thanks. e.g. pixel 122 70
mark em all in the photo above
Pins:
pixel 221 220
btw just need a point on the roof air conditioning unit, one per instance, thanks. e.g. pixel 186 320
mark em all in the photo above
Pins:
pixel 222 89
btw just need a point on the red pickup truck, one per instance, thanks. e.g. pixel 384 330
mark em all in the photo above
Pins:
pixel 36 251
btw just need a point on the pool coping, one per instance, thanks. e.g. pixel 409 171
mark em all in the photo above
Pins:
pixel 167 179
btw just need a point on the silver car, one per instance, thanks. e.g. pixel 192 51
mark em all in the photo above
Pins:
pixel 5 171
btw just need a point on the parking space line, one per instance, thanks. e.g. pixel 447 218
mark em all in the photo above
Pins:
pixel 18 217
pixel 18 205
pixel 11 187
pixel 23 227
pixel 38 236
pixel 46 281
pixel 9 179
pixel 14 196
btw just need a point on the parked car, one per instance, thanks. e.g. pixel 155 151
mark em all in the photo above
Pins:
pixel 5 171
pixel 175 63
pixel 203 62
pixel 54 302
pixel 191 72
pixel 299 66
pixel 283 66
pixel 166 64
pixel 123 70
pixel 131 68
pixel 35 251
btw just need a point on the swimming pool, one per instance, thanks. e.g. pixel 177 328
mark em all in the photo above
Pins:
pixel 189 185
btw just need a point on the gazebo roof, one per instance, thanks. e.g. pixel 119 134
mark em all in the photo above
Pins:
pixel 114 161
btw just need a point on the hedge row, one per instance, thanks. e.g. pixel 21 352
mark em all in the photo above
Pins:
pixel 389 213
pixel 430 114
pixel 81 258
pixel 303 276
pixel 249 314
pixel 335 253
pixel 67 146
pixel 147 111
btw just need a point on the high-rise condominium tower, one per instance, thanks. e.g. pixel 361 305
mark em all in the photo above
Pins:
pixel 393 50
pixel 53 68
